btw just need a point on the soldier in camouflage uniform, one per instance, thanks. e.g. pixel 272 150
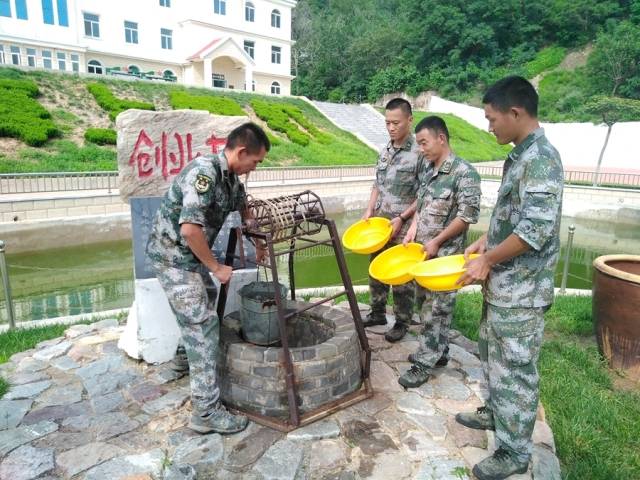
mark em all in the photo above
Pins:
pixel 393 196
pixel 448 201
pixel 519 256
pixel 186 225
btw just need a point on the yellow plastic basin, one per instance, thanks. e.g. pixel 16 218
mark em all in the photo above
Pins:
pixel 393 266
pixel 440 274
pixel 367 236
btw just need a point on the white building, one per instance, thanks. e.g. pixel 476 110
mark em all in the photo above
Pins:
pixel 238 44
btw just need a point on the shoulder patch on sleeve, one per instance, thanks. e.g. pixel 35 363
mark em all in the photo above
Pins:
pixel 202 183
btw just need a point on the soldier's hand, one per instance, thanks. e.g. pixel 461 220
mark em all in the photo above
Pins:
pixel 411 234
pixel 477 270
pixel 223 273
pixel 396 225
pixel 366 214
pixel 431 247
pixel 479 247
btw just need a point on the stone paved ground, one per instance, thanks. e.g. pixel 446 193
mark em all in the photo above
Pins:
pixel 79 408
pixel 360 120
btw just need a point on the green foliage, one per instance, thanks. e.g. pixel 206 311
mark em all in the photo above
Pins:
pixel 395 78
pixel 214 104
pixel 469 142
pixel 614 65
pixel 60 156
pixel 613 110
pixel 563 96
pixel 277 118
pixel 111 104
pixel 101 136
pixel 21 115
pixel 545 59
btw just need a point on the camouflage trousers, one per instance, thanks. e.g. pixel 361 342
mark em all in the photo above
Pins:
pixel 192 296
pixel 403 296
pixel 509 344
pixel 436 316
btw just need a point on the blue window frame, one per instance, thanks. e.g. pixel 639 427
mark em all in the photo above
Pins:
pixel 63 13
pixel 165 3
pixel 21 10
pixel 220 7
pixel 5 8
pixel 91 25
pixel 47 11
pixel 166 39
pixel 275 19
pixel 249 12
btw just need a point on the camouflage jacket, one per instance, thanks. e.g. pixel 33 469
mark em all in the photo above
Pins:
pixel 204 193
pixel 529 205
pixel 452 191
pixel 397 180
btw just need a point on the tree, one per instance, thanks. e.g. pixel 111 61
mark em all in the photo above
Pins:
pixel 612 110
pixel 614 65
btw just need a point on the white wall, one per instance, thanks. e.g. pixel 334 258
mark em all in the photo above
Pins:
pixel 579 144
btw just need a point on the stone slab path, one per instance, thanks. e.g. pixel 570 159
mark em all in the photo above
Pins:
pixel 361 120
pixel 79 408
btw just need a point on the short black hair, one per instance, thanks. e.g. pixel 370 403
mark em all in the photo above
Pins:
pixel 400 103
pixel 436 124
pixel 513 91
pixel 250 136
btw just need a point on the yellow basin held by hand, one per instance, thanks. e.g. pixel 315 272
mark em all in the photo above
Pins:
pixel 367 236
pixel 393 266
pixel 440 274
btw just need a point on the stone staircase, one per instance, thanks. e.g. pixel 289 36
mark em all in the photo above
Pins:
pixel 361 120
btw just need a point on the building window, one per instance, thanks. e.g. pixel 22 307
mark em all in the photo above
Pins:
pixel 250 48
pixel 133 70
pixel 31 57
pixel 5 8
pixel 1 54
pixel 21 9
pixel 62 61
pixel 95 66
pixel 275 18
pixel 220 7
pixel 130 32
pixel 47 11
pixel 249 12
pixel 218 80
pixel 46 59
pixel 15 55
pixel 275 54
pixel 275 88
pixel 169 76
pixel 75 62
pixel 166 39
pixel 91 25
pixel 63 14
pixel 165 3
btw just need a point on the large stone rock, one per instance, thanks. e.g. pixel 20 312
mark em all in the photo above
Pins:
pixel 435 425
pixel 545 464
pixel 419 445
pixel 13 438
pixel 327 455
pixel 443 469
pixel 64 395
pixel 282 461
pixel 203 453
pixel 383 378
pixel 82 458
pixel 22 378
pixel 30 365
pixel 130 465
pixel 368 436
pixel 374 405
pixel 27 463
pixel 414 403
pixel 12 412
pixel 388 466
pixel 250 449
pixel 154 146
pixel 53 351
pixel 466 437
pixel 316 431
pixel 543 435
pixel 28 390
pixel 166 403
pixel 58 412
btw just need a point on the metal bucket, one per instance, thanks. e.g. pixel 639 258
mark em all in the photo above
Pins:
pixel 259 313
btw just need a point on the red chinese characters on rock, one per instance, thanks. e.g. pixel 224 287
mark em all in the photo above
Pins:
pixel 170 156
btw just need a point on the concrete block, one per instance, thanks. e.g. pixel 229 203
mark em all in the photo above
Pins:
pixel 77 211
pixel 96 209
pixel 63 202
pixel 56 212
pixel 36 214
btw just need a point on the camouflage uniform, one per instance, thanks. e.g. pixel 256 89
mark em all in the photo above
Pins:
pixel 452 191
pixel 518 291
pixel 397 184
pixel 204 193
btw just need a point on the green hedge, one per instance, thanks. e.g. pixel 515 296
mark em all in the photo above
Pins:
pixel 101 136
pixel 545 59
pixel 213 104
pixel 111 103
pixel 22 116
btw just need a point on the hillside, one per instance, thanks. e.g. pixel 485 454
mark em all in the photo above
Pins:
pixel 300 134
pixel 53 123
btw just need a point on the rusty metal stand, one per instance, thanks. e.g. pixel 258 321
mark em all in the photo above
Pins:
pixel 293 219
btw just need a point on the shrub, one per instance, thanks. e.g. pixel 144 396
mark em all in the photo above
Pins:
pixel 546 59
pixel 213 104
pixel 112 104
pixel 101 136
pixel 21 116
pixel 277 119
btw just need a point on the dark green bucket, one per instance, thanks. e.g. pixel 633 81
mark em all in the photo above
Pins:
pixel 259 313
